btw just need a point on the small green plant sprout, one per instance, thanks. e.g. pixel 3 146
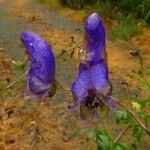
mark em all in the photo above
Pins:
pixel 103 139
pixel 123 115
pixel 135 52
pixel 18 66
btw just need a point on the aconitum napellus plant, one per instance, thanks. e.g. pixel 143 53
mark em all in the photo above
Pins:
pixel 92 88
pixel 41 74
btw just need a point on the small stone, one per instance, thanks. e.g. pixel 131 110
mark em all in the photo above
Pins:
pixel 33 122
pixel 27 98
pixel 1 49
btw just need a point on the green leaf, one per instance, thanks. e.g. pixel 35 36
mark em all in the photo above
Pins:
pixel 103 141
pixel 137 132
pixel 91 134
pixel 144 102
pixel 19 66
pixel 118 147
pixel 122 146
pixel 122 116
pixel 144 116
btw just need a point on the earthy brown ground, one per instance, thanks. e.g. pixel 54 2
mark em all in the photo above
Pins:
pixel 47 125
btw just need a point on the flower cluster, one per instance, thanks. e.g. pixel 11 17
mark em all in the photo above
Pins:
pixel 92 87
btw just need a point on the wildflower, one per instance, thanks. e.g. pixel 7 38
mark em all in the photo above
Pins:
pixel 136 106
pixel 92 87
pixel 41 74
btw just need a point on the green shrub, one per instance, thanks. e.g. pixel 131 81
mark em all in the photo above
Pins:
pixel 104 8
pixel 127 28
pixel 138 8
pixel 75 4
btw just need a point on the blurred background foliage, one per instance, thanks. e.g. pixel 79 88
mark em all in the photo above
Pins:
pixel 129 14
pixel 139 9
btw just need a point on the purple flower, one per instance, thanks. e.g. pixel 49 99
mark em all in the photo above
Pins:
pixel 92 87
pixel 41 75
pixel 95 38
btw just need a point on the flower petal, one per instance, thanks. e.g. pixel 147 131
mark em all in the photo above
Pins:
pixel 80 85
pixel 95 37
pixel 42 68
pixel 99 78
pixel 109 101
pixel 35 88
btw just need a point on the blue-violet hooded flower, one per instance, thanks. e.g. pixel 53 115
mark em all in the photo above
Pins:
pixel 41 74
pixel 92 86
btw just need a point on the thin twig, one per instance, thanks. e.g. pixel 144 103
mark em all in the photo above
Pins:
pixel 13 83
pixel 62 87
pixel 135 117
pixel 121 134
pixel 141 64
pixel 33 10
pixel 70 47
pixel 73 46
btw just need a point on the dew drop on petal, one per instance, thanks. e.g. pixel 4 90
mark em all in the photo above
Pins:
pixel 31 44
pixel 82 55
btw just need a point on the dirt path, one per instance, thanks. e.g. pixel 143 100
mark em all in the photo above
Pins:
pixel 17 16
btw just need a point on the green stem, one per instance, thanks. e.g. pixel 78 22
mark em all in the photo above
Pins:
pixel 121 134
pixel 141 64
pixel 13 83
